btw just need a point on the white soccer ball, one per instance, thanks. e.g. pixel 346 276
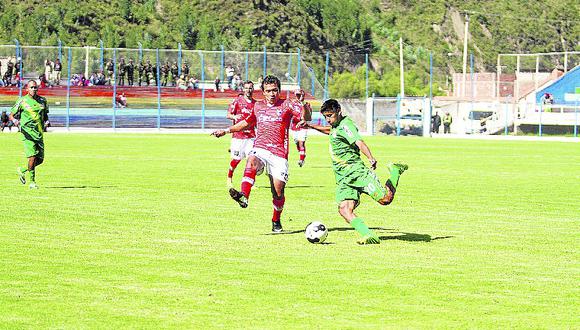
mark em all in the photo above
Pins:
pixel 316 232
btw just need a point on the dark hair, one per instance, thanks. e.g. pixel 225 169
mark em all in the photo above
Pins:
pixel 271 80
pixel 248 82
pixel 330 105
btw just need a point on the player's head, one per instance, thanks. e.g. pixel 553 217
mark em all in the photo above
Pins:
pixel 32 87
pixel 271 88
pixel 299 93
pixel 331 111
pixel 248 88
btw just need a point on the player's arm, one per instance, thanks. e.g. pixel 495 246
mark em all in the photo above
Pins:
pixel 231 109
pixel 367 152
pixel 320 128
pixel 15 112
pixel 306 114
pixel 242 125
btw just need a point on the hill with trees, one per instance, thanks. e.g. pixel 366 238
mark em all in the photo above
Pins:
pixel 347 29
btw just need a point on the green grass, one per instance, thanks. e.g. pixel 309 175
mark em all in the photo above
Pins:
pixel 138 231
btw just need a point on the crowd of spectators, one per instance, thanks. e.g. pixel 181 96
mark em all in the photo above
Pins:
pixel 126 73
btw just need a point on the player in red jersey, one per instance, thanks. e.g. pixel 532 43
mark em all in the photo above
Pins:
pixel 242 141
pixel 272 118
pixel 299 133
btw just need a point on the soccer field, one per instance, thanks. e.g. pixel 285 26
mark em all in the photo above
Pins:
pixel 138 231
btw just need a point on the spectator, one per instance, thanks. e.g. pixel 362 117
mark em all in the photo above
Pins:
pixel 217 82
pixel 121 100
pixel 122 67
pixel 436 123
pixel 48 65
pixel 9 72
pixel 130 72
pixel 43 81
pixel 57 71
pixel 110 71
pixel 182 83
pixel 193 83
pixel 164 73
pixel 447 120
pixel 6 122
pixel 185 69
pixel 230 76
pixel 260 81
pixel 174 73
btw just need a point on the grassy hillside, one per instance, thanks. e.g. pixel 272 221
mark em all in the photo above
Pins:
pixel 346 28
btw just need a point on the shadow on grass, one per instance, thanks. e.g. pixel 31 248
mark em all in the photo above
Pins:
pixel 413 237
pixel 78 187
pixel 401 236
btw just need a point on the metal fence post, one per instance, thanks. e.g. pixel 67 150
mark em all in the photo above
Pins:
pixel 59 51
pixel 140 51
pixel 541 110
pixel 265 61
pixel 247 66
pixel 114 83
pixel 312 79
pixel 298 69
pixel 19 62
pixel 576 117
pixel 325 96
pixel 178 59
pixel 222 62
pixel 398 119
pixel 202 91
pixel 68 89
pixel 101 65
pixel 158 90
pixel 367 77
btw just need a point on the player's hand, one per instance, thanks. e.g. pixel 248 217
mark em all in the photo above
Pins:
pixel 219 133
pixel 302 124
pixel 15 122
pixel 373 163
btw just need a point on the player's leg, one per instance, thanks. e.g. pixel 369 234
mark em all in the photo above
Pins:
pixel 236 158
pixel 278 199
pixel 301 151
pixel 252 166
pixel 346 210
pixel 395 171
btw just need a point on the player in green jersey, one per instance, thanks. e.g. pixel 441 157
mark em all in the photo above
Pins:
pixel 353 177
pixel 32 112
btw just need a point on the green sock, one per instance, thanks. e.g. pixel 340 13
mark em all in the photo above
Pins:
pixel 32 174
pixel 360 227
pixel 395 173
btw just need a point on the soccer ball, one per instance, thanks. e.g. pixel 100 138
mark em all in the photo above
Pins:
pixel 316 232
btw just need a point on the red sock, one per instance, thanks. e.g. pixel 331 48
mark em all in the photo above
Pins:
pixel 302 152
pixel 233 164
pixel 278 208
pixel 248 181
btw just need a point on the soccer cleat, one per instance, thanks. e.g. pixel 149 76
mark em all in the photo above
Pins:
pixel 21 175
pixel 369 239
pixel 276 226
pixel 229 183
pixel 239 197
pixel 300 163
pixel 33 185
pixel 402 167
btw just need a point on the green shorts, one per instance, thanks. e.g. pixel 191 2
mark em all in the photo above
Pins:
pixel 361 180
pixel 33 148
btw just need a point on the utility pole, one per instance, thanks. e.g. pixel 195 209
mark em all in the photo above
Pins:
pixel 464 84
pixel 401 67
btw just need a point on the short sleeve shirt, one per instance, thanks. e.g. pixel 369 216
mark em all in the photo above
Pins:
pixel 344 152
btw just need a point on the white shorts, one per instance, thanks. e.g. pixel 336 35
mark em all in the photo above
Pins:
pixel 299 135
pixel 240 148
pixel 276 166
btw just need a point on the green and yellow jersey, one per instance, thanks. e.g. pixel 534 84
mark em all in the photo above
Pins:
pixel 344 152
pixel 32 111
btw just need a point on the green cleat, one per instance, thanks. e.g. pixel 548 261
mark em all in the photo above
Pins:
pixel 21 175
pixel 369 239
pixel 33 185
pixel 402 167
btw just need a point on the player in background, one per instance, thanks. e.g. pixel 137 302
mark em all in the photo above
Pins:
pixel 242 141
pixel 352 176
pixel 299 133
pixel 32 111
pixel 272 118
